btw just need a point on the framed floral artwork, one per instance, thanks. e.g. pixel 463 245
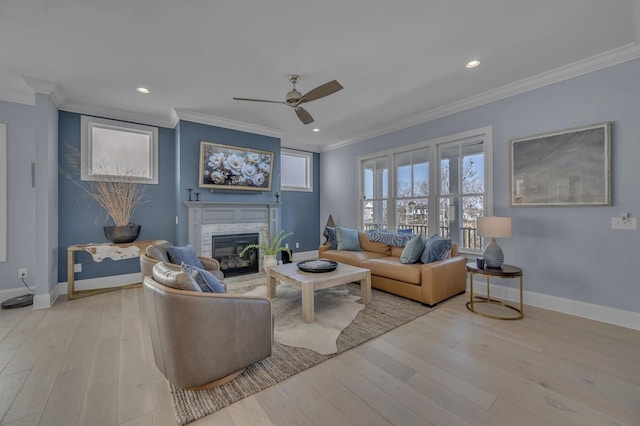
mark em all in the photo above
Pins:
pixel 234 168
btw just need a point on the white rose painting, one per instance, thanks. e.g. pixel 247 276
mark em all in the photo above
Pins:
pixel 235 168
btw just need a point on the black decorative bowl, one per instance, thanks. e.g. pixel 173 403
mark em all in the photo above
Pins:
pixel 320 265
pixel 121 234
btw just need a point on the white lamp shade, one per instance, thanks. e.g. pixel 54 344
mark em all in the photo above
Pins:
pixel 494 227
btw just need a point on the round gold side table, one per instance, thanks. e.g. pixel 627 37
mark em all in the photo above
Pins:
pixel 505 271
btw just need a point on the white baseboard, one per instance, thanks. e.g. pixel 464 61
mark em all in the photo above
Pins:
pixel 601 313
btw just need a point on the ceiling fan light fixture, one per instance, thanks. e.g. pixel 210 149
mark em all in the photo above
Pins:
pixel 293 96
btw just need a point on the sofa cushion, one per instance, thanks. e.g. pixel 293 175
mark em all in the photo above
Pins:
pixel 159 251
pixel 174 278
pixel 390 238
pixel 347 239
pixel 390 267
pixel 436 248
pixel 333 241
pixel 367 245
pixel 186 254
pixel 353 258
pixel 413 250
pixel 207 282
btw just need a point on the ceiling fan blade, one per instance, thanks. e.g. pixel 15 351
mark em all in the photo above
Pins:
pixel 321 91
pixel 259 100
pixel 303 115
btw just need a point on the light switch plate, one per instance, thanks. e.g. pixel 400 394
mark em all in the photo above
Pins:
pixel 619 223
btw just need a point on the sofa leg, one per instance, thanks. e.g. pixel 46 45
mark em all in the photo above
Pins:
pixel 218 382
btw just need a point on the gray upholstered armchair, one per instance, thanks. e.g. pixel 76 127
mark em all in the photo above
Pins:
pixel 202 340
pixel 159 253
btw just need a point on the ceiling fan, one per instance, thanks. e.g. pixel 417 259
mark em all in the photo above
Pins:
pixel 295 98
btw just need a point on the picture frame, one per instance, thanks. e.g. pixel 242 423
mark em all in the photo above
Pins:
pixel 570 167
pixel 234 168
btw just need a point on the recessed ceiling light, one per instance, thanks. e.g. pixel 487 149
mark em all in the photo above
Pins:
pixel 143 90
pixel 316 130
pixel 473 64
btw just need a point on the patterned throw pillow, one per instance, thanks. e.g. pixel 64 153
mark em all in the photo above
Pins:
pixel 186 254
pixel 347 239
pixel 333 241
pixel 413 250
pixel 390 238
pixel 436 248
pixel 207 282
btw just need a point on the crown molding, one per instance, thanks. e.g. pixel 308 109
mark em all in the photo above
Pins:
pixel 118 114
pixel 198 117
pixel 18 97
pixel 616 56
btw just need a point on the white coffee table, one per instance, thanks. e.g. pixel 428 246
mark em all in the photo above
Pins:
pixel 308 282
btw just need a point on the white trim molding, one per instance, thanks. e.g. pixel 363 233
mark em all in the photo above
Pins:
pixel 198 117
pixel 586 310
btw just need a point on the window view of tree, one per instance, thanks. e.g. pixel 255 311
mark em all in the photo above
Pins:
pixel 462 192
pixel 412 191
pixel 433 188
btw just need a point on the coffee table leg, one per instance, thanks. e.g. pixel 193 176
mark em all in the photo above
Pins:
pixel 365 289
pixel 271 286
pixel 307 303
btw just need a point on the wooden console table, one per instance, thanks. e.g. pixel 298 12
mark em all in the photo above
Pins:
pixel 99 252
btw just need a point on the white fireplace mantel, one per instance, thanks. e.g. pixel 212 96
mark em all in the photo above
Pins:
pixel 222 213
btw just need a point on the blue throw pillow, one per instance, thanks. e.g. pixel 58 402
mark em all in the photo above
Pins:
pixel 413 250
pixel 405 231
pixel 347 239
pixel 333 241
pixel 436 248
pixel 207 282
pixel 186 254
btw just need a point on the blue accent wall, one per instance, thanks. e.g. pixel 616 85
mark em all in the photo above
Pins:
pixel 80 219
pixel 188 138
pixel 567 252
pixel 301 214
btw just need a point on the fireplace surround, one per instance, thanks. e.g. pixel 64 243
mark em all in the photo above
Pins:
pixel 206 219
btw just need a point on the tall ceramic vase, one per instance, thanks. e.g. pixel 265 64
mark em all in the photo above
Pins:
pixel 269 261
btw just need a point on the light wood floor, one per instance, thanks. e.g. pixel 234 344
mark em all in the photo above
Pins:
pixel 88 362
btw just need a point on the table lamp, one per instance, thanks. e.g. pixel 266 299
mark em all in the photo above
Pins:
pixel 494 227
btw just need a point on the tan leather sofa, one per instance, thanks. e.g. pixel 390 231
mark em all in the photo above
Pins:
pixel 150 258
pixel 429 283
pixel 202 340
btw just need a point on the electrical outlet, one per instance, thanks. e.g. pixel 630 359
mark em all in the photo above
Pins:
pixel 77 267
pixel 297 245
pixel 287 245
pixel 23 273
pixel 620 223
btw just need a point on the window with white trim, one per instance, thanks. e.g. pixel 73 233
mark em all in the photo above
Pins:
pixel 296 170
pixel 113 150
pixel 439 187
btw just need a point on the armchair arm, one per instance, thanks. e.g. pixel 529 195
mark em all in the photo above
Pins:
pixel 209 263
pixel 443 279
